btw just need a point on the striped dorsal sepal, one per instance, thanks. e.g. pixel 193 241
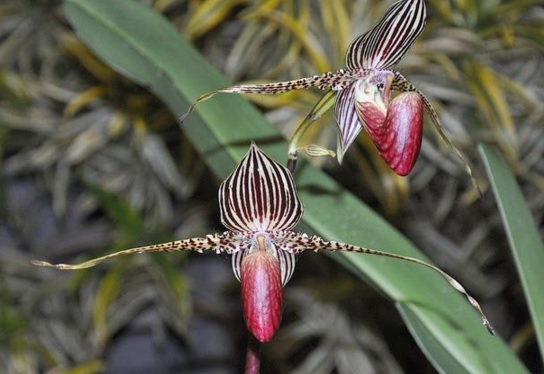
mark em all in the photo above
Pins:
pixel 383 46
pixel 259 196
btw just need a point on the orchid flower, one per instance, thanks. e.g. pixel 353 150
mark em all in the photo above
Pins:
pixel 260 207
pixel 364 93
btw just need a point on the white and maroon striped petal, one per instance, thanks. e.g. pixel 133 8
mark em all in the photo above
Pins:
pixel 236 262
pixel 227 242
pixel 260 195
pixel 348 123
pixel 287 265
pixel 287 260
pixel 387 42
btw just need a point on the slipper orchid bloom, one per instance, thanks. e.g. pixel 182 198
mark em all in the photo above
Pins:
pixel 260 208
pixel 364 89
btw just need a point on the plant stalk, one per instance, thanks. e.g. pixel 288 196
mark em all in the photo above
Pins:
pixel 253 356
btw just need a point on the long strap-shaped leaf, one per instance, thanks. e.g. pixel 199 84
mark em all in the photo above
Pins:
pixel 523 235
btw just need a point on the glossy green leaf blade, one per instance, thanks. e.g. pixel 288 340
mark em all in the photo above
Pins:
pixel 142 44
pixel 525 242
pixel 436 352
pixel 433 311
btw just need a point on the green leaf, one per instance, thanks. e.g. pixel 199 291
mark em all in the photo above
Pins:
pixel 525 242
pixel 140 43
pixel 437 352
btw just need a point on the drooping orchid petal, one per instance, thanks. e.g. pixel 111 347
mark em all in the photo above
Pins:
pixel 302 242
pixel 336 81
pixel 349 125
pixel 400 83
pixel 228 242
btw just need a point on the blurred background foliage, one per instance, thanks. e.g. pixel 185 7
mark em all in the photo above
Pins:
pixel 91 163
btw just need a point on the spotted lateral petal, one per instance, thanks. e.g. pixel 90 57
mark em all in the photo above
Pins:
pixel 334 80
pixel 300 242
pixel 349 125
pixel 385 44
pixel 259 195
pixel 228 242
pixel 287 261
